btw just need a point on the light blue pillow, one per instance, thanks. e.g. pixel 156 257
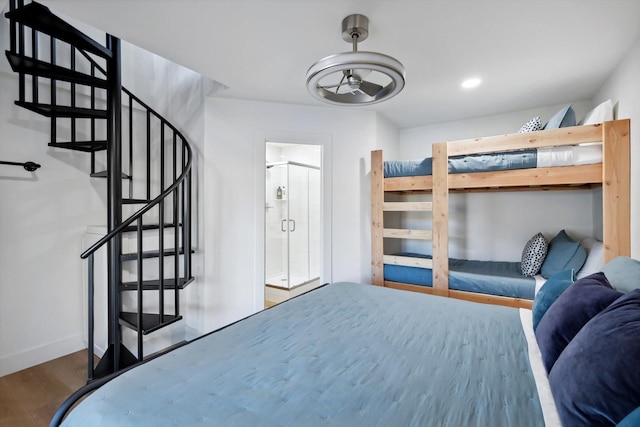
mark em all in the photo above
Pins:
pixel 564 118
pixel 623 273
pixel 550 291
pixel 564 253
pixel 631 420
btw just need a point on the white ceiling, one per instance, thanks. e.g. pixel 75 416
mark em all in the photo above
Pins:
pixel 529 53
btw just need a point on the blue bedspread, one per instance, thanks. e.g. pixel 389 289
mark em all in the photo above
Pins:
pixel 487 277
pixel 524 159
pixel 342 355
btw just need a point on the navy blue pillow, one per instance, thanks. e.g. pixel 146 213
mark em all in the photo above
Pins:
pixel 550 291
pixel 570 312
pixel 596 379
pixel 563 253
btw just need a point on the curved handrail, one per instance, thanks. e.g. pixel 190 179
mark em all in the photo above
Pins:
pixel 179 180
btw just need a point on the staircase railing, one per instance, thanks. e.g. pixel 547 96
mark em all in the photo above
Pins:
pixel 179 193
pixel 158 168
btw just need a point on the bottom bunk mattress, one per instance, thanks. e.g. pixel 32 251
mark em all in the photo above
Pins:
pixel 342 355
pixel 500 278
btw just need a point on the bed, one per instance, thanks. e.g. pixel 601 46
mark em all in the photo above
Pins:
pixel 576 157
pixel 349 354
pixel 345 354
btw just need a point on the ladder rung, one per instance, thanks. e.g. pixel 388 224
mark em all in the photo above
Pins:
pixel 407 206
pixel 398 233
pixel 407 261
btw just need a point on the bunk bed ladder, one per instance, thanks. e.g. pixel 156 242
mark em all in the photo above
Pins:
pixel 76 82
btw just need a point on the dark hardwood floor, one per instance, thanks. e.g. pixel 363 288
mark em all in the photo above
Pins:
pixel 30 397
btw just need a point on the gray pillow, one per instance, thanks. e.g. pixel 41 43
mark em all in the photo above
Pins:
pixel 564 253
pixel 564 118
pixel 623 273
pixel 533 255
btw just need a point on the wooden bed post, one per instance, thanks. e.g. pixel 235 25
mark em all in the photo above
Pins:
pixel 377 218
pixel 440 219
pixel 616 205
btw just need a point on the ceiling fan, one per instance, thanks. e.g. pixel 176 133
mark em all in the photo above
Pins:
pixel 357 77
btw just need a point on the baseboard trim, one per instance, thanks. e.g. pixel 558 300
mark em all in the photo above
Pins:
pixel 36 355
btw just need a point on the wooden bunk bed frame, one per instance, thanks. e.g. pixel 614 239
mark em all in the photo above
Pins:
pixel 613 174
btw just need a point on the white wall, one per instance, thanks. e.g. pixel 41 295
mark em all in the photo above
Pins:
pixel 623 88
pixel 496 226
pixel 42 216
pixel 235 133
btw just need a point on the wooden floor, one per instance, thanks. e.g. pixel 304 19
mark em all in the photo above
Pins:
pixel 30 397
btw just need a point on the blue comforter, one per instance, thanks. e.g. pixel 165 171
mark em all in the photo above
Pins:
pixel 342 355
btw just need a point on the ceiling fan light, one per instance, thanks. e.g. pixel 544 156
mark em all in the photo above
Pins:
pixel 341 62
pixel 351 69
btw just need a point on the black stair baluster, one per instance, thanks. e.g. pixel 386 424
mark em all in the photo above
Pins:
pixel 34 55
pixel 148 154
pixel 54 126
pixel 72 60
pixel 131 147
pixel 161 221
pixel 21 76
pixel 139 291
pixel 90 320
pixel 176 234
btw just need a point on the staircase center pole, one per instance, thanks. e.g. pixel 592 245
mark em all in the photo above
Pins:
pixel 114 194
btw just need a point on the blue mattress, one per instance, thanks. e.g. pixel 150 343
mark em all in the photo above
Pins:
pixel 343 355
pixel 487 277
pixel 524 159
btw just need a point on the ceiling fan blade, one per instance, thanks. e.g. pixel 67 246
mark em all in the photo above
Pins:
pixel 360 73
pixel 369 88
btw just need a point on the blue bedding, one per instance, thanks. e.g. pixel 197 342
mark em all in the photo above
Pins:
pixel 487 277
pixel 343 355
pixel 524 159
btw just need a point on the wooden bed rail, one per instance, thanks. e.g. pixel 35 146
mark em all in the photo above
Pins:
pixel 613 175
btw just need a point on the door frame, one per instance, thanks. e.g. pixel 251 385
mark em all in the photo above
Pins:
pixel 325 141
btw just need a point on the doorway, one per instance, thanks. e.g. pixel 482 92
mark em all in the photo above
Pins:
pixel 293 219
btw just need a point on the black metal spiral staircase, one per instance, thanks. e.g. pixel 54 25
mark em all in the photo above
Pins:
pixel 76 82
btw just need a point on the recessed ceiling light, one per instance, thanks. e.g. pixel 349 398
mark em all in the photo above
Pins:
pixel 471 83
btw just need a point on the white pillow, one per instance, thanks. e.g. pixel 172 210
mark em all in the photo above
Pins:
pixel 602 113
pixel 595 258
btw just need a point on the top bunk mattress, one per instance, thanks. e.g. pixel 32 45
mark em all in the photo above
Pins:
pixel 572 155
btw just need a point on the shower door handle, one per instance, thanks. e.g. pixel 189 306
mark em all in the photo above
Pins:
pixel 290 229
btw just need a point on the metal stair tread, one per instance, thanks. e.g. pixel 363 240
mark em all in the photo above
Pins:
pixel 134 201
pixel 153 285
pixel 103 174
pixel 152 254
pixel 62 110
pixel 150 321
pixel 40 18
pixel 84 146
pixel 26 65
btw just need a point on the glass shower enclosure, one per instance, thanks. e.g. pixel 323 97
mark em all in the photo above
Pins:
pixel 292 224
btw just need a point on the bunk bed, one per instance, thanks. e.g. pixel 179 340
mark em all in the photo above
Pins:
pixel 438 177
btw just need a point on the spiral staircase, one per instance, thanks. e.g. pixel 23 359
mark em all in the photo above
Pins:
pixel 76 82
